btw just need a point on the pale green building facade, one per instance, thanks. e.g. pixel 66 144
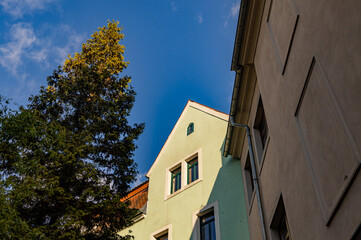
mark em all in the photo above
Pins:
pixel 193 189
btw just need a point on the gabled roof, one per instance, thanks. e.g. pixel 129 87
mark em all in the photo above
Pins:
pixel 201 107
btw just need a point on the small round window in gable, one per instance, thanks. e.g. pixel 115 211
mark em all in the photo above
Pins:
pixel 190 128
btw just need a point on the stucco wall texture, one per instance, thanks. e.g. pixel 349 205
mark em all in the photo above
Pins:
pixel 306 64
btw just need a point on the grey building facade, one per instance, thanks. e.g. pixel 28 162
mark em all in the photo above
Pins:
pixel 298 88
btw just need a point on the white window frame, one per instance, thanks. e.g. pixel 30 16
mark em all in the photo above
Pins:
pixel 184 170
pixel 161 231
pixel 196 235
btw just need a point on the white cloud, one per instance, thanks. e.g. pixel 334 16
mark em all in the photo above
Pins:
pixel 200 18
pixel 233 13
pixel 174 6
pixel 40 55
pixel 22 37
pixel 18 8
pixel 235 9
pixel 25 44
pixel 73 43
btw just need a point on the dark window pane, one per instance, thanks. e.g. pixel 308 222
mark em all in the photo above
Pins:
pixel 176 180
pixel 283 231
pixel 197 171
pixel 192 170
pixel 206 232
pixel 249 179
pixel 190 128
pixel 261 124
pixel 163 237
pixel 208 229
pixel 263 129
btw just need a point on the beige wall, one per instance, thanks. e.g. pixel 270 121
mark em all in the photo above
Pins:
pixel 307 64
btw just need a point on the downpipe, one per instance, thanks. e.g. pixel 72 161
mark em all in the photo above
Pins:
pixel 254 174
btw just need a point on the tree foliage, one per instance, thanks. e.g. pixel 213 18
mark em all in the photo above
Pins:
pixel 66 159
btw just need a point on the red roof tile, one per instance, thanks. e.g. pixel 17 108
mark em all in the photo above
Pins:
pixel 138 196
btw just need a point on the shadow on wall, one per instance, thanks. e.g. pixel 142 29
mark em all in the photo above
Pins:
pixel 227 202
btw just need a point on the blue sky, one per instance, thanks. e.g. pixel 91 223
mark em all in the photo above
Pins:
pixel 178 50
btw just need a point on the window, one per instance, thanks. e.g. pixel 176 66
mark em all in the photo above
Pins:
pixel 279 226
pixel 176 180
pixel 261 130
pixel 165 233
pixel 183 174
pixel 283 229
pixel 190 128
pixel 206 223
pixel 192 167
pixel 248 179
pixel 163 237
pixel 208 227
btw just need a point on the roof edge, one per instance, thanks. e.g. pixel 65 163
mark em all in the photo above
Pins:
pixel 239 34
pixel 201 107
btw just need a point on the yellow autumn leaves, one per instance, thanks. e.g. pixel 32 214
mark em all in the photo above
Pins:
pixel 102 52
pixel 50 89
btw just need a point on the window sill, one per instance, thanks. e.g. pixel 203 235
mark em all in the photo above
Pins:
pixel 182 189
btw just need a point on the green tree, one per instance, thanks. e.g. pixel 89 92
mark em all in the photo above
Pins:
pixel 66 159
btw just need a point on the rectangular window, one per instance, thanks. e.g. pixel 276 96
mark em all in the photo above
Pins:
pixel 176 180
pixel 163 237
pixel 183 174
pixel 282 230
pixel 260 130
pixel 249 179
pixel 263 128
pixel 279 225
pixel 208 228
pixel 192 170
pixel 164 233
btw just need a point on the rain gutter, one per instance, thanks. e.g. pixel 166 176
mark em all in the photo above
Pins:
pixel 254 174
pixel 238 68
pixel 235 66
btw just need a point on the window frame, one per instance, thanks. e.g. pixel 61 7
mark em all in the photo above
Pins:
pixel 161 232
pixel 260 141
pixel 174 177
pixel 162 236
pixel 211 219
pixel 183 164
pixel 263 127
pixel 248 181
pixel 279 217
pixel 190 128
pixel 198 214
pixel 192 166
pixel 279 228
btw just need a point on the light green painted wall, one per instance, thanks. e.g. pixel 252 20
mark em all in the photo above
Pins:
pixel 221 181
